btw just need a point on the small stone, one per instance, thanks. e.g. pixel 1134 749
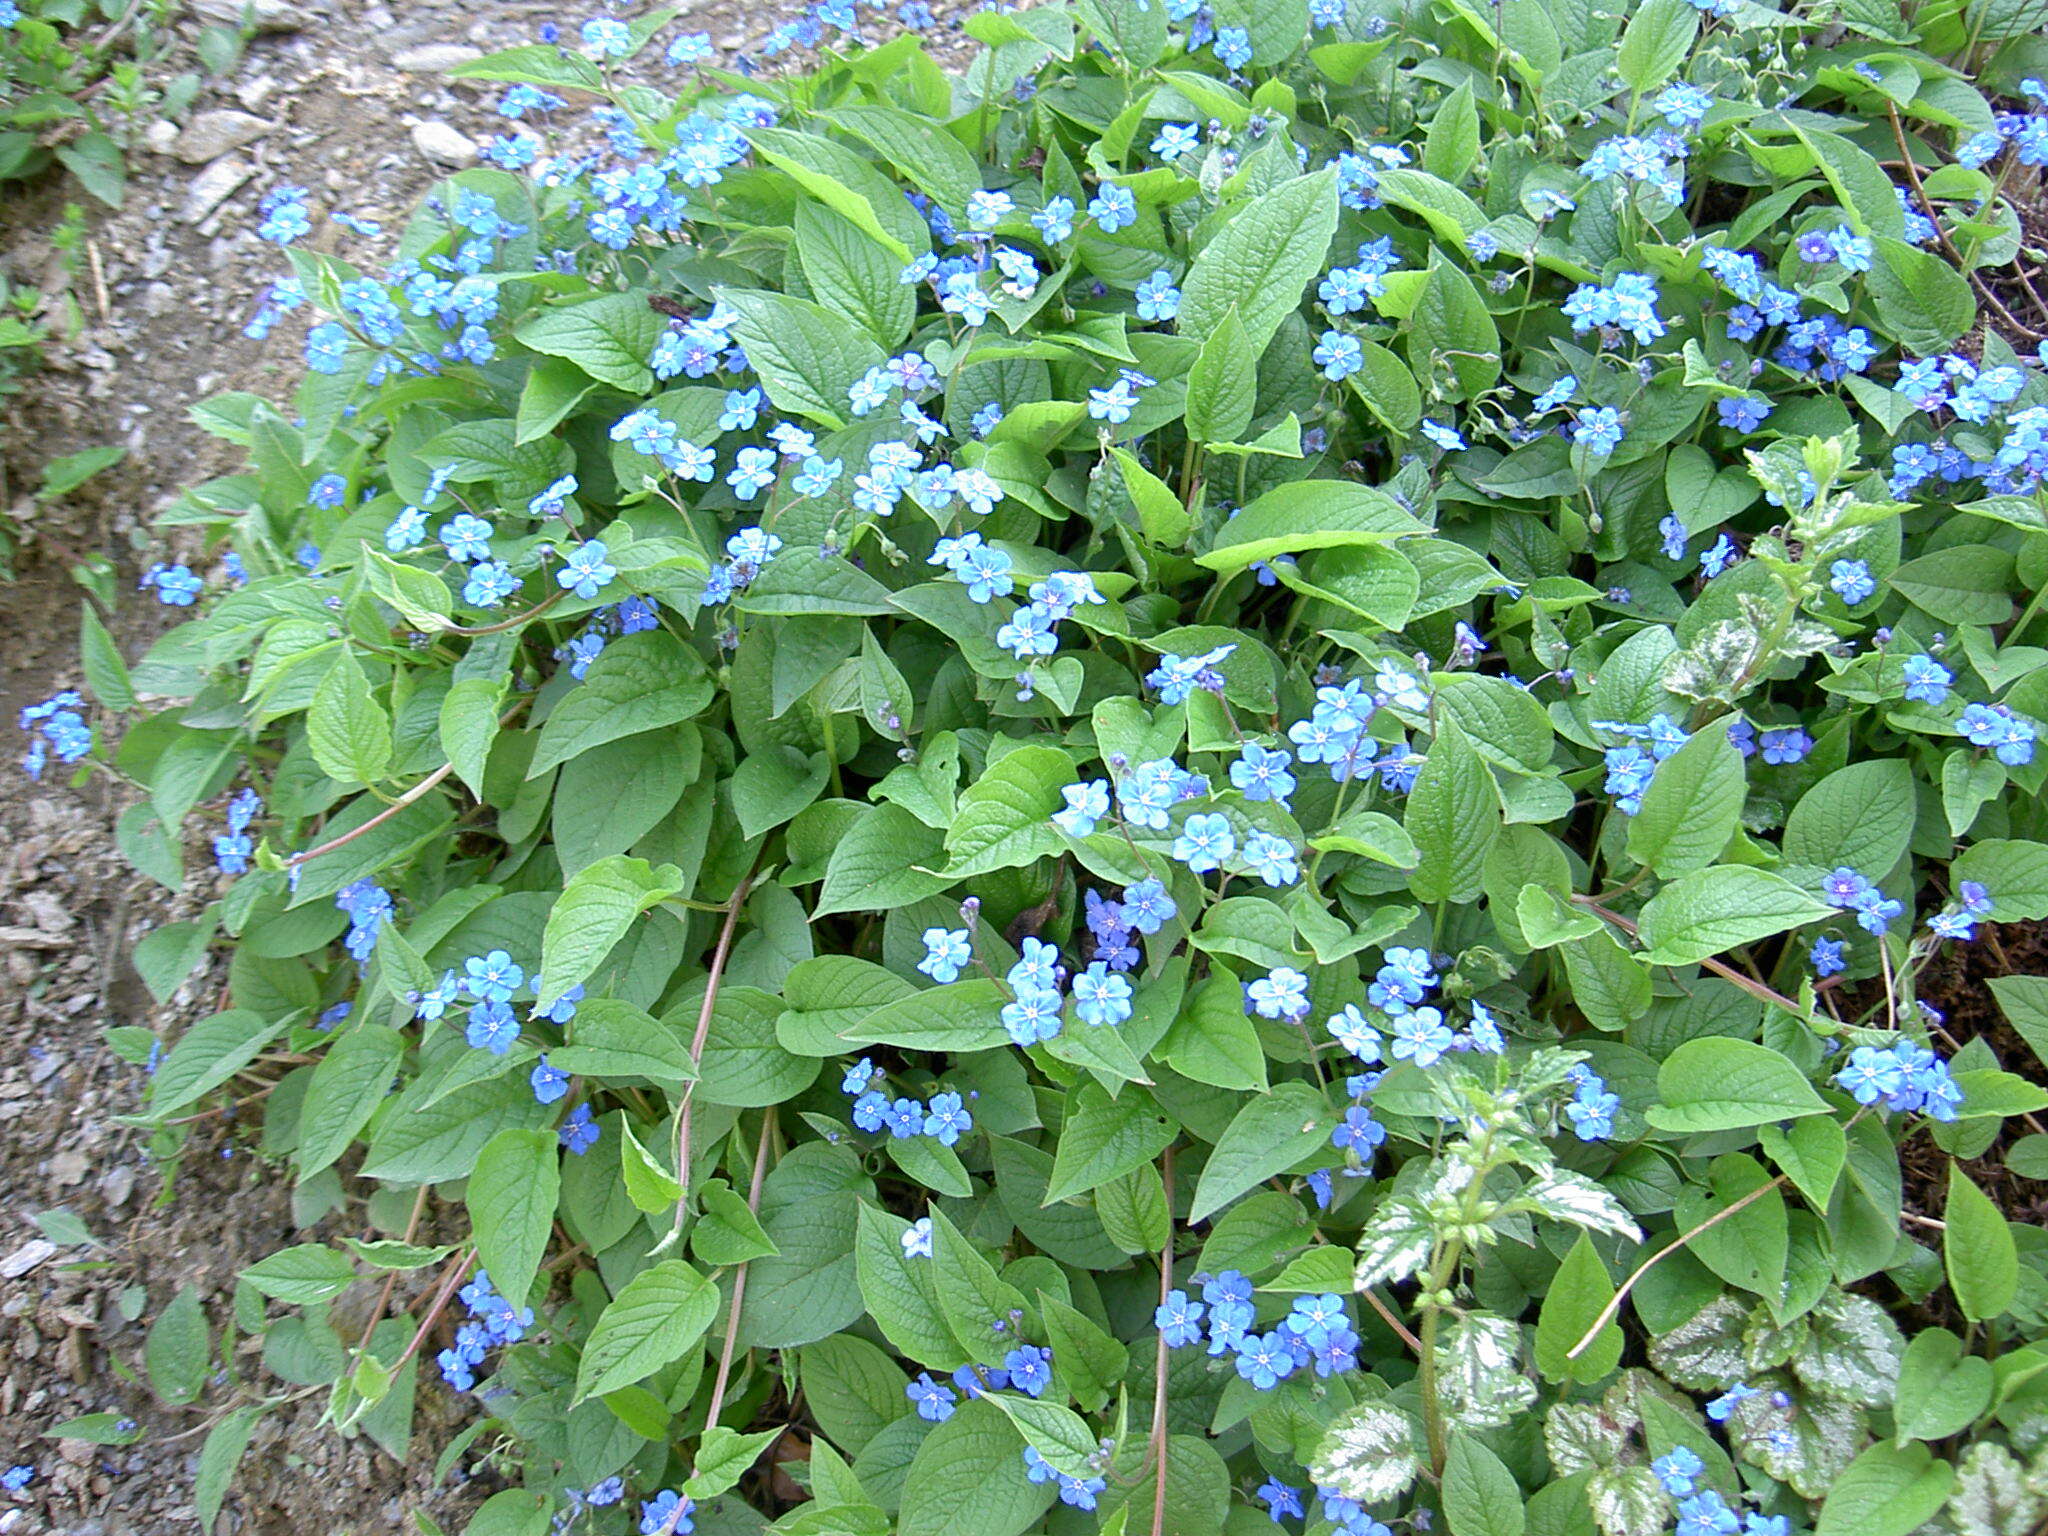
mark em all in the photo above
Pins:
pixel 68 1168
pixel 160 136
pixel 214 186
pixel 440 142
pixel 213 134
pixel 265 15
pixel 253 93
pixel 434 58
pixel 27 1257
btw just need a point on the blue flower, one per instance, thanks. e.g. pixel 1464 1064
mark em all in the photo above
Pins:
pixel 1272 858
pixel 947 1118
pixel 1598 430
pixel 946 952
pixel 666 1514
pixel 1677 1470
pixel 1358 1132
pixel 1744 413
pixel 1826 957
pixel 492 1027
pixel 1852 581
pixel 1158 299
pixel 1280 1500
pixel 1446 438
pixel 493 977
pixel 1420 1036
pixel 1719 557
pixel 1086 805
pixel 1113 208
pixel 585 571
pixel 1147 907
pixel 1204 843
pixel 1034 1016
pixel 1338 355
pixel 549 1083
pixel 1030 1369
pixel 1178 1319
pixel 1265 1359
pixel 1280 995
pixel 1261 773
pixel 1706 1515
pixel 1101 998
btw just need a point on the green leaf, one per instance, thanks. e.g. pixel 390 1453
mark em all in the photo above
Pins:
pixel 972 1297
pixel 219 1455
pixel 208 1054
pixel 1054 1430
pixel 353 1078
pixel 1578 1292
pixel 1262 260
pixel 1223 384
pixel 1921 300
pixel 1105 1138
pixel 853 275
pixel 727 1232
pixel 1691 807
pixel 641 683
pixel 2024 1000
pixel 106 674
pixel 723 1457
pixel 1750 1248
pixel 1811 1151
pixel 1978 1250
pixel 1718 1083
pixel 658 1315
pixel 1453 816
pixel 610 1038
pixel 1387 387
pixel 302 1275
pixel 2014 872
pixel 968 1479
pixel 1004 819
pixel 1659 36
pixel 1860 816
pixel 1888 1490
pixel 962 1016
pixel 1941 1391
pixel 1713 910
pixel 1267 1136
pixel 347 729
pixel 1481 1497
pixel 593 913
pixel 609 337
pixel 1959 584
pixel 178 1350
pixel 1451 147
pixel 806 355
pixel 1160 513
pixel 511 1198
pixel 421 598
pixel 1452 337
pixel 928 158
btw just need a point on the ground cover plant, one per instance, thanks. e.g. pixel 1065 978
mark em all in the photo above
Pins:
pixel 1206 776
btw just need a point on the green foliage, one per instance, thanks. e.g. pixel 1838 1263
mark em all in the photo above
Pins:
pixel 1491 746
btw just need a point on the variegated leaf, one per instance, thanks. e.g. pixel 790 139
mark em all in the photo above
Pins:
pixel 1805 1442
pixel 1991 1496
pixel 1480 1371
pixel 1852 1350
pixel 1705 1352
pixel 1582 1435
pixel 1566 1196
pixel 1628 1501
pixel 1369 1454
pixel 1766 1344
pixel 1394 1244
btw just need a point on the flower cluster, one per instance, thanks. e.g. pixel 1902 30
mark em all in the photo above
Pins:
pixel 944 1117
pixel 492 1321
pixel 1905 1076
pixel 55 726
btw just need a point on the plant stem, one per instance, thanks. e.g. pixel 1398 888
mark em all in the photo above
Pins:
pixel 1160 1357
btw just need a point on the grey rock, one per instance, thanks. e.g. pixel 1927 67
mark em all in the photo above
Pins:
pixel 443 143
pixel 434 58
pixel 213 134
pixel 264 15
pixel 214 186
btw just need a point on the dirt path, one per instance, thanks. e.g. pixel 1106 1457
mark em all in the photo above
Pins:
pixel 348 103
